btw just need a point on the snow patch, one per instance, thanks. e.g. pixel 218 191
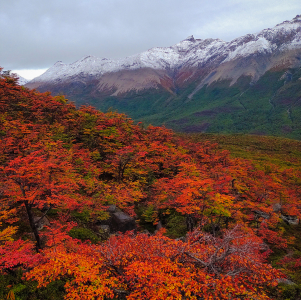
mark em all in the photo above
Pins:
pixel 22 80
pixel 258 46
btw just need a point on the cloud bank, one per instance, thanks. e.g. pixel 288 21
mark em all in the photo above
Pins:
pixel 35 34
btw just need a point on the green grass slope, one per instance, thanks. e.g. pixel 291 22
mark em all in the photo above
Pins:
pixel 270 106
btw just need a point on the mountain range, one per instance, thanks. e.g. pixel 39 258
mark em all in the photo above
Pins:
pixel 251 84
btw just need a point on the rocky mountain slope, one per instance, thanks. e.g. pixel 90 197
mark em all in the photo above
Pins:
pixel 159 85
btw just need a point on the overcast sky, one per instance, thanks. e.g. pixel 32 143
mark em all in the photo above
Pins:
pixel 34 34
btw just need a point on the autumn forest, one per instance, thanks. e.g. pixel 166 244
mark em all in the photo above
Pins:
pixel 198 218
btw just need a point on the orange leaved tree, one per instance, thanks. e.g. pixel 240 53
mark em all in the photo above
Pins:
pixel 140 266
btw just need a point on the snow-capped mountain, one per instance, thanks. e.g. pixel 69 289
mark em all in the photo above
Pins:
pixel 213 57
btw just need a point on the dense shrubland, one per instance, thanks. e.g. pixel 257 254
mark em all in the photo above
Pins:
pixel 226 219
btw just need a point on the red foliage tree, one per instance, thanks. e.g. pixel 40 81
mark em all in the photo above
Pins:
pixel 156 267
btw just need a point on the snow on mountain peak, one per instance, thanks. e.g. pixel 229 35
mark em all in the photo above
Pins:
pixel 297 18
pixel 190 52
pixel 283 36
pixel 258 45
pixel 190 38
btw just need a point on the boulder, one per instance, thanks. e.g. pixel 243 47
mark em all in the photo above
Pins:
pixel 262 214
pixel 285 281
pixel 118 221
pixel 291 220
pixel 276 207
pixel 111 209
pixel 123 222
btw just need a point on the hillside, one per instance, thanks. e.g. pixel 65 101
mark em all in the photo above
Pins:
pixel 248 85
pixel 96 206
pixel 271 106
pixel 285 153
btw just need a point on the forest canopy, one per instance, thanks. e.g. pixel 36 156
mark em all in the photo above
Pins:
pixel 205 224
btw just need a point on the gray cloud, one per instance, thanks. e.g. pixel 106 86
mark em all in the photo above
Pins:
pixel 36 34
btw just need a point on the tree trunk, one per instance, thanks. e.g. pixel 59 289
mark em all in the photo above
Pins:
pixel 33 226
pixel 189 223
